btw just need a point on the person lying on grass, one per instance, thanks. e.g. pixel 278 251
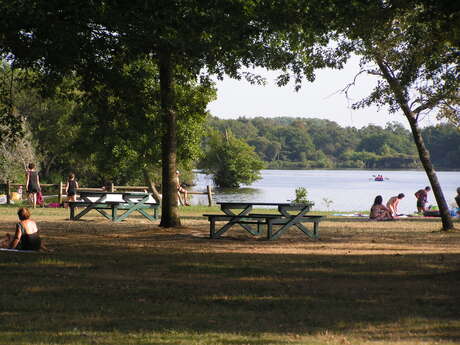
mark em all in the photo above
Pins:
pixel 26 236
pixel 379 211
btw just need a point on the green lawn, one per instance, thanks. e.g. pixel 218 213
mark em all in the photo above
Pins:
pixel 136 283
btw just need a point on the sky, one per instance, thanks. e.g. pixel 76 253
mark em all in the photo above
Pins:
pixel 320 99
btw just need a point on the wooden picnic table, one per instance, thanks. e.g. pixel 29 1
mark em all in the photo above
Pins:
pixel 101 201
pixel 288 215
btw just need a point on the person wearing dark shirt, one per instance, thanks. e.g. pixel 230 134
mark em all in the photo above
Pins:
pixel 26 236
pixel 32 184
pixel 422 198
pixel 71 188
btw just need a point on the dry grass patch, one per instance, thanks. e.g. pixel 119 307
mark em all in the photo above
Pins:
pixel 136 283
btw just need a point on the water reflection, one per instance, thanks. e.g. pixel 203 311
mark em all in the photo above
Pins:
pixel 237 194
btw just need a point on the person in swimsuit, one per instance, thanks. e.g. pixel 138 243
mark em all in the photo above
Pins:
pixel 71 188
pixel 393 203
pixel 26 236
pixel 379 211
pixel 181 189
pixel 32 184
pixel 422 199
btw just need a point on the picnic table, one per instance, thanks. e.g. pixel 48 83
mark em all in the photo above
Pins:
pixel 288 215
pixel 126 202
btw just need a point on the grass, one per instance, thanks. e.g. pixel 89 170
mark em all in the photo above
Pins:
pixel 136 283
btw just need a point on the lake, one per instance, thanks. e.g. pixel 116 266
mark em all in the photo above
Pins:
pixel 335 190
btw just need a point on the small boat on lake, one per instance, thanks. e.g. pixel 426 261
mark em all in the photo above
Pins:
pixel 379 178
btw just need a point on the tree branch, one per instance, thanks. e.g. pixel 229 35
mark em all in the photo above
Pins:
pixel 430 103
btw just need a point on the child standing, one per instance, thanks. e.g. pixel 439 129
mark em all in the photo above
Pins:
pixel 32 184
pixel 71 188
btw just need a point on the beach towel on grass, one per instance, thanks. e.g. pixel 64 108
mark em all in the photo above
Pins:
pixel 17 250
pixel 349 215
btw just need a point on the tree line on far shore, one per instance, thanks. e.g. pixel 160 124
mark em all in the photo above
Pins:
pixel 305 143
pixel 62 134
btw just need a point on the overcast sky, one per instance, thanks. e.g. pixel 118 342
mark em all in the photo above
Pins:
pixel 320 99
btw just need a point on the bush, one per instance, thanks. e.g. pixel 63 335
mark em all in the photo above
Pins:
pixel 301 197
pixel 231 161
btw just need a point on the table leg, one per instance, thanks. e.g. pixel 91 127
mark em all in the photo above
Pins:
pixel 212 228
pixel 136 206
pixel 114 212
pixel 83 212
pixel 245 211
pixel 295 219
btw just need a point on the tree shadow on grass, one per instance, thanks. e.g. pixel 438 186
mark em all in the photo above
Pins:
pixel 103 288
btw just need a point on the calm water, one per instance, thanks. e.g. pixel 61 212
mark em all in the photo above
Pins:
pixel 349 190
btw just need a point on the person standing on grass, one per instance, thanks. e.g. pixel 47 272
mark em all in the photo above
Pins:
pixel 32 184
pixel 457 198
pixel 422 199
pixel 71 188
pixel 393 203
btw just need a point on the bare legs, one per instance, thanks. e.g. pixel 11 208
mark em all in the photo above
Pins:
pixel 185 200
pixel 33 199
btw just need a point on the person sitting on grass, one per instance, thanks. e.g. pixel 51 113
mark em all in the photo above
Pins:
pixel 393 203
pixel 180 190
pixel 26 236
pixel 379 211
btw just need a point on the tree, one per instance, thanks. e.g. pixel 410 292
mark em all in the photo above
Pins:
pixel 16 151
pixel 11 123
pixel 443 142
pixel 214 37
pixel 296 143
pixel 15 155
pixel 122 114
pixel 417 64
pixel 83 36
pixel 231 161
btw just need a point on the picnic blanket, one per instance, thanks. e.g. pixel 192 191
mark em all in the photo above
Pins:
pixel 349 215
pixel 17 250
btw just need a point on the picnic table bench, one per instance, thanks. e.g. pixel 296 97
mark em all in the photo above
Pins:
pixel 239 213
pixel 128 202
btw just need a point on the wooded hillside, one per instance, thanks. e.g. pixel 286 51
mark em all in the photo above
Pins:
pixel 301 143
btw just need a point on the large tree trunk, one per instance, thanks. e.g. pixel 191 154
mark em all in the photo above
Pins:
pixel 423 152
pixel 169 206
pixel 424 155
